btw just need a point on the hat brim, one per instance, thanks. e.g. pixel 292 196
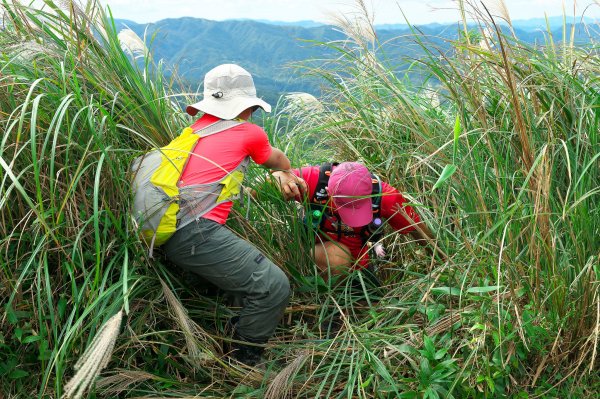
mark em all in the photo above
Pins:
pixel 356 213
pixel 226 108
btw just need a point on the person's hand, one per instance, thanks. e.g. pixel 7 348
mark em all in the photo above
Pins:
pixel 290 185
pixel 379 250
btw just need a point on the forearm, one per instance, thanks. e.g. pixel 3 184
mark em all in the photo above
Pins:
pixel 278 160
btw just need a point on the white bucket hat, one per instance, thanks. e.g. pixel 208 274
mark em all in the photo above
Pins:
pixel 228 90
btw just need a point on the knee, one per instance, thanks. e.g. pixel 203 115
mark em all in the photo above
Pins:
pixel 279 287
pixel 333 256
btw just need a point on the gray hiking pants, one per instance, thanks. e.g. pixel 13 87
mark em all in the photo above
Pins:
pixel 215 253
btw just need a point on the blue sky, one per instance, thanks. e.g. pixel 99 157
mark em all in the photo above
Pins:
pixel 385 11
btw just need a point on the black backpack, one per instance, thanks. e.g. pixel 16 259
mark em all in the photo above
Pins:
pixel 319 200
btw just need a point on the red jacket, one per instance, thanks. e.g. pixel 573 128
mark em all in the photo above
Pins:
pixel 391 201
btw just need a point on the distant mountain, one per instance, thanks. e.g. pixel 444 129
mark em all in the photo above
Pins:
pixel 302 24
pixel 524 24
pixel 193 46
pixel 391 27
pixel 554 22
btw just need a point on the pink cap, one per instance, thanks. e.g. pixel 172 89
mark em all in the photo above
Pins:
pixel 350 187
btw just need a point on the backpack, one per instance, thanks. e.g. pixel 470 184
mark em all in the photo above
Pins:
pixel 320 198
pixel 158 199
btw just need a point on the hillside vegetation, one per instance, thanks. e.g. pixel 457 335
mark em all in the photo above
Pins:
pixel 497 147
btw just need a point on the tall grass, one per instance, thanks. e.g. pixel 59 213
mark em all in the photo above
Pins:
pixel 498 150
pixel 73 107
pixel 505 170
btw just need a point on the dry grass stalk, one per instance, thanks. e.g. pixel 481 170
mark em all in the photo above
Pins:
pixel 486 42
pixel 71 5
pixel 542 214
pixel 198 349
pixel 524 148
pixel 131 43
pixel 95 358
pixel 596 334
pixel 542 364
pixel 281 386
pixel 121 381
pixel 26 51
pixel 499 9
pixel 358 26
pixel 178 397
pixel 302 103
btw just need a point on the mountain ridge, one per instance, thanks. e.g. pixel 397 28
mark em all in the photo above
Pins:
pixel 193 46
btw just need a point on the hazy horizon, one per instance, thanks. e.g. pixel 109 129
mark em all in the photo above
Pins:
pixel 321 11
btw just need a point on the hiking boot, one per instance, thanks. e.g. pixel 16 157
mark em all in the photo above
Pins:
pixel 250 355
pixel 247 351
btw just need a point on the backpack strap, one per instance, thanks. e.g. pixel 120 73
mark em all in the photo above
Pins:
pixel 367 233
pixel 217 127
pixel 376 195
pixel 321 196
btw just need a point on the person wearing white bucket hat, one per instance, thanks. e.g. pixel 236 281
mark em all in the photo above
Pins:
pixel 228 90
pixel 205 246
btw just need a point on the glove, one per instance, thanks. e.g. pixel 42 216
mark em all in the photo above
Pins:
pixel 379 250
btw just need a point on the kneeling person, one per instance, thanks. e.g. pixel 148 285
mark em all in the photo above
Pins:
pixel 352 205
